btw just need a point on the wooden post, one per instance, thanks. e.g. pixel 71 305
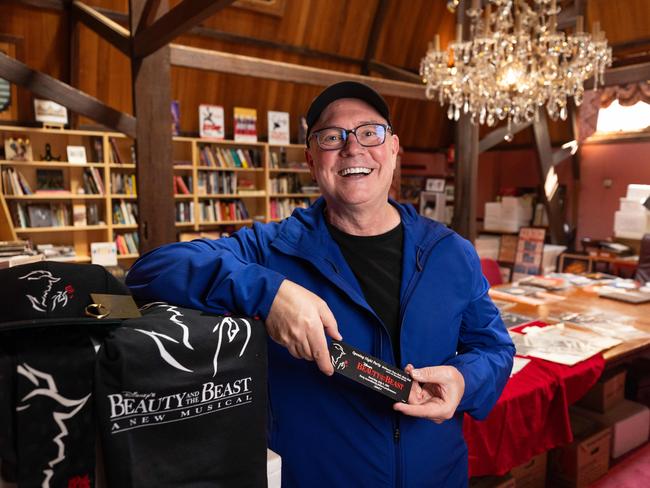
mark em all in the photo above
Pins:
pixel 466 148
pixel 545 157
pixel 152 108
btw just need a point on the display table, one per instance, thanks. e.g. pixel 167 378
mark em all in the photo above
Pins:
pixel 532 415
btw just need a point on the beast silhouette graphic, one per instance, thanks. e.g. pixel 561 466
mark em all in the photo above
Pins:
pixel 338 356
pixel 228 331
pixel 45 386
pixel 47 280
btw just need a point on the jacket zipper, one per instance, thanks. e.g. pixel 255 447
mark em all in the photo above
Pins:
pixel 398 456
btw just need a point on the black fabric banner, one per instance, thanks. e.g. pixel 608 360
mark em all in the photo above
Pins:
pixel 181 400
pixel 55 428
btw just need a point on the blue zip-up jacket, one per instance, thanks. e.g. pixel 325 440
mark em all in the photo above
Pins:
pixel 329 431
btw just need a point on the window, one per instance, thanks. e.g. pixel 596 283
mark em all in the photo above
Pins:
pixel 617 118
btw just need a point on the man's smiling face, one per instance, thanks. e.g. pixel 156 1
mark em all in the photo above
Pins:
pixel 353 175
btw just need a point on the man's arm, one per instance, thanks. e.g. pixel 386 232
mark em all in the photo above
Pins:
pixel 473 380
pixel 485 350
pixel 229 275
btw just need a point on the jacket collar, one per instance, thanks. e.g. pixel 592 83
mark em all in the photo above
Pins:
pixel 305 235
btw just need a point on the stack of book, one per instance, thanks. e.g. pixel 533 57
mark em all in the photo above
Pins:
pixel 14 183
pixel 127 243
pixel 125 213
pixel 221 157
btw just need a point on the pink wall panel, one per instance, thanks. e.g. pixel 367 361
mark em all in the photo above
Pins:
pixel 624 164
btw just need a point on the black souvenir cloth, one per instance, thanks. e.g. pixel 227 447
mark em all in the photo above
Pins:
pixel 46 372
pixel 55 428
pixel 181 400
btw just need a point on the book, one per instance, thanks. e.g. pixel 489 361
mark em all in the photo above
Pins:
pixel 278 127
pixel 79 216
pixel 211 122
pixel 176 117
pixel 245 127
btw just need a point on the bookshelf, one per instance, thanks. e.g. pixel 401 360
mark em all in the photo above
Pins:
pixel 219 186
pixel 50 200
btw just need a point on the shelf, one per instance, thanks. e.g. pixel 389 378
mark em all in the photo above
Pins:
pixel 50 164
pixel 128 256
pixel 213 168
pixel 118 196
pixel 294 195
pixel 182 196
pixel 58 132
pixel 124 226
pixel 222 195
pixel 227 222
pixel 187 167
pixel 183 224
pixel 122 166
pixel 289 170
pixel 287 146
pixel 55 196
pixel 63 228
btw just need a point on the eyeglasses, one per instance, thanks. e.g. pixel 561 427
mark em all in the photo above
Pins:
pixel 368 135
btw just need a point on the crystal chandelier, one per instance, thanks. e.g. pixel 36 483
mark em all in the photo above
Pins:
pixel 514 62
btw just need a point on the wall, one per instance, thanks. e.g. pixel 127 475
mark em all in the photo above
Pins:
pixel 624 163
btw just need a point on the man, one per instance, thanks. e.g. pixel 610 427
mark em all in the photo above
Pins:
pixel 359 267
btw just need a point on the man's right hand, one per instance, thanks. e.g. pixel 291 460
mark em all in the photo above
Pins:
pixel 299 320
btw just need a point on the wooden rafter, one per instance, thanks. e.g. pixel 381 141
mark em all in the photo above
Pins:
pixel 47 87
pixel 191 57
pixel 393 72
pixel 373 36
pixel 623 75
pixel 107 29
pixel 496 136
pixel 177 21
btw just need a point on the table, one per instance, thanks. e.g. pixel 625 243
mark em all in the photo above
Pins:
pixel 584 300
pixel 532 414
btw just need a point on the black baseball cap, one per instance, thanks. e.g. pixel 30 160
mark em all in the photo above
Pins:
pixel 345 89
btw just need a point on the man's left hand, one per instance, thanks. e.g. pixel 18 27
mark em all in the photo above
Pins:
pixel 435 393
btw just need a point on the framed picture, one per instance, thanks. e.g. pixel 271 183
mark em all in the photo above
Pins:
pixel 435 184
pixel 50 112
pixel 103 253
pixel 39 215
pixel 76 154
pixel 530 251
pixel 18 149
pixel 49 180
pixel 432 205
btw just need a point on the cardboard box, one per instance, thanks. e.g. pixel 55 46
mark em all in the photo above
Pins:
pixel 506 481
pixel 630 424
pixel 585 460
pixel 531 474
pixel 608 392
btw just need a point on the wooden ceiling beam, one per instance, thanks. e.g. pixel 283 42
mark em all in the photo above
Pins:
pixel 45 4
pixel 52 89
pixel 623 75
pixel 373 36
pixel 106 28
pixel 497 136
pixel 177 21
pixel 393 72
pixel 204 59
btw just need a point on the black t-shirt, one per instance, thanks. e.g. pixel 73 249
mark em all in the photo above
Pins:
pixel 376 261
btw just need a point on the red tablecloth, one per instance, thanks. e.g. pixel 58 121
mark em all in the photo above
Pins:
pixel 531 416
